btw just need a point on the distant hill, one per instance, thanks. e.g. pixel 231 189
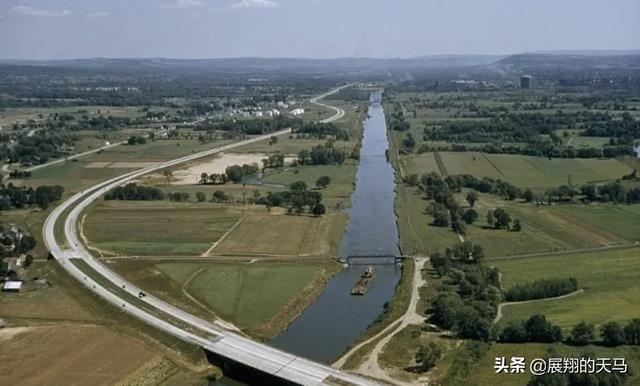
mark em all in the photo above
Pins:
pixel 627 60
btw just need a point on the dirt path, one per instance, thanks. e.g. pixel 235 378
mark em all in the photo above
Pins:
pixel 224 236
pixel 565 252
pixel 501 305
pixel 100 252
pixel 371 366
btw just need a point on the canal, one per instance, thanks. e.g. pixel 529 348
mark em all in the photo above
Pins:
pixel 337 318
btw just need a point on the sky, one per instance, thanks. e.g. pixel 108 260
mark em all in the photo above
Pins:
pixel 66 29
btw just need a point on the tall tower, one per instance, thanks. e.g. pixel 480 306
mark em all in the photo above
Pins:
pixel 525 81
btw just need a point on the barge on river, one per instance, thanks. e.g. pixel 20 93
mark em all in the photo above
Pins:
pixel 362 285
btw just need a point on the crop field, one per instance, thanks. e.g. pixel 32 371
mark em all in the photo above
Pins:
pixel 69 354
pixel 160 150
pixel 285 235
pixel 43 301
pixel 72 175
pixel 521 171
pixel 609 280
pixel 287 144
pixel 157 228
pixel 622 220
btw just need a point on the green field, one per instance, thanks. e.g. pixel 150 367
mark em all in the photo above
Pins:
pixel 521 171
pixel 259 297
pixel 160 150
pixel 248 294
pixel 264 234
pixel 609 280
pixel 72 175
pixel 544 228
pixel 623 220
pixel 157 228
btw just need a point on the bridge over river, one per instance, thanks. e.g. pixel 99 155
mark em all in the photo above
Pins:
pixel 76 259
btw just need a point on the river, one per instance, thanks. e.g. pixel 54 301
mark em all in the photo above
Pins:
pixel 336 319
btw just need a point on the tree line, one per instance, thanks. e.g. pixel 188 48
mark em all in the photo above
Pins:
pixel 21 197
pixel 540 289
pixel 322 130
pixel 297 199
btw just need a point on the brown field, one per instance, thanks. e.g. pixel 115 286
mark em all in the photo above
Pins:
pixel 43 302
pixel 284 235
pixel 69 355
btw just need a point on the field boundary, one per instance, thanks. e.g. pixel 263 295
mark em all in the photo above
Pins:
pixel 216 243
pixel 490 161
pixel 501 305
pixel 565 252
pixel 440 163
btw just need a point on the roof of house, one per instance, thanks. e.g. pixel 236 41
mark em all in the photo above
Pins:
pixel 12 285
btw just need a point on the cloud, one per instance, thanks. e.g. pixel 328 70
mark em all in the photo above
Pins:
pixel 23 10
pixel 98 14
pixel 182 4
pixel 244 4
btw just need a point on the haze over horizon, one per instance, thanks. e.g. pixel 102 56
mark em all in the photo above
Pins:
pixel 183 29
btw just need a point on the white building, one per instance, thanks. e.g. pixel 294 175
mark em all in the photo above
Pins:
pixel 12 286
pixel 297 111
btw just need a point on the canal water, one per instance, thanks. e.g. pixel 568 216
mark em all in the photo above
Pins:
pixel 337 318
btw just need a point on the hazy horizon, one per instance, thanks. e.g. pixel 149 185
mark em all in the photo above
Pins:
pixel 311 29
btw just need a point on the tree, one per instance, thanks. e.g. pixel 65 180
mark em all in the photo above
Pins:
pixel 528 195
pixel 444 309
pixel 204 178
pixel 502 218
pixel 318 209
pixel 516 227
pixel 298 186
pixel 458 226
pixel 201 197
pixel 472 197
pixel 323 182
pixel 303 156
pixel 581 334
pixel 469 216
pixel 491 219
pixel 612 334
pixel 219 196
pixel 514 332
pixel 542 331
pixel 441 218
pixel 632 332
pixel 234 173
pixel 427 356
pixel 471 325
pixel 167 175
pixel 477 253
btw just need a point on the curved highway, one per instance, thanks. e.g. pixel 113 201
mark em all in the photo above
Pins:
pixel 166 317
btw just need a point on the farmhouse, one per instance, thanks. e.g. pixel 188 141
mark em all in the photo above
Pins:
pixel 12 286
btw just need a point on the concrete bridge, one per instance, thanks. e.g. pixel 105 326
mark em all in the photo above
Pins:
pixel 155 312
